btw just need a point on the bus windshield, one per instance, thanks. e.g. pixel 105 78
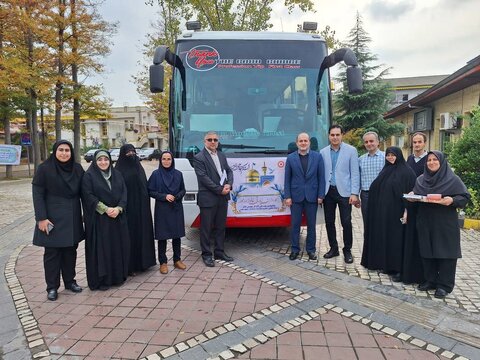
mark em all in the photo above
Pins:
pixel 256 103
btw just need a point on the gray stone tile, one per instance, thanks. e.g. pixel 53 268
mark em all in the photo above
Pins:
pixel 432 338
pixel 195 353
pixel 390 321
pixel 354 307
pixel 466 351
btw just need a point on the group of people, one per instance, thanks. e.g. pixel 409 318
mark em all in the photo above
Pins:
pixel 116 220
pixel 412 241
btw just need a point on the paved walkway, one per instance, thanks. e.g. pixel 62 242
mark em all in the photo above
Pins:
pixel 262 306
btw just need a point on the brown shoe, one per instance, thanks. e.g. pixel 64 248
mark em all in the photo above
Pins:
pixel 163 269
pixel 179 265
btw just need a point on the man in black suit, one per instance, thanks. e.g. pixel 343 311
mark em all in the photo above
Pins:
pixel 215 179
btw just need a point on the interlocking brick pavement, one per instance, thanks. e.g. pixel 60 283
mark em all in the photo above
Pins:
pixel 261 306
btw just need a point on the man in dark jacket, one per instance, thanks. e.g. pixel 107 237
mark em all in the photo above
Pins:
pixel 215 179
pixel 304 190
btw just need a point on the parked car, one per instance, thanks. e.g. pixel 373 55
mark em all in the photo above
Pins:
pixel 89 155
pixel 149 154
pixel 114 154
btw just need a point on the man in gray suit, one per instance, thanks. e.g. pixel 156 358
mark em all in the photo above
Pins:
pixel 215 179
pixel 342 186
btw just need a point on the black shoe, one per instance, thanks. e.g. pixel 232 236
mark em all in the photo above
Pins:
pixel 312 256
pixel 397 277
pixel 347 255
pixel 293 255
pixel 74 287
pixel 440 293
pixel 331 253
pixel 209 262
pixel 103 287
pixel 52 295
pixel 426 286
pixel 223 257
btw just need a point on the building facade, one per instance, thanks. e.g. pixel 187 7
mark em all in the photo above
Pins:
pixel 441 112
pixel 136 125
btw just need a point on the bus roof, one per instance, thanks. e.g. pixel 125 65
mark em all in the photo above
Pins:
pixel 248 35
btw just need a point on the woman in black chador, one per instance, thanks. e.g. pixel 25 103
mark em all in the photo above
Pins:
pixel 437 223
pixel 139 215
pixel 166 186
pixel 59 229
pixel 383 246
pixel 107 241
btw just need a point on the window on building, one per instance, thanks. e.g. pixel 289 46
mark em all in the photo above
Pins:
pixel 103 125
pixel 445 139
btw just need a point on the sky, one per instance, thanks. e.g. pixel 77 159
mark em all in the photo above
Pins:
pixel 413 38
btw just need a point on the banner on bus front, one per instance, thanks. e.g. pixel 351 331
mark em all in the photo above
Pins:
pixel 258 187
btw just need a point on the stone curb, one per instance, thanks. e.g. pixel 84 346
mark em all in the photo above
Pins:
pixel 36 343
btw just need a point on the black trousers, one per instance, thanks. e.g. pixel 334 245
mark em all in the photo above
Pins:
pixel 440 272
pixel 162 249
pixel 212 225
pixel 332 199
pixel 59 260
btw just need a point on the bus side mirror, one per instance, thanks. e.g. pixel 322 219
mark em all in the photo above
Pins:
pixel 157 74
pixel 354 80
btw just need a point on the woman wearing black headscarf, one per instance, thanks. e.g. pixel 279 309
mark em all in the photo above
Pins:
pixel 139 215
pixel 56 199
pixel 107 240
pixel 437 223
pixel 384 241
pixel 166 186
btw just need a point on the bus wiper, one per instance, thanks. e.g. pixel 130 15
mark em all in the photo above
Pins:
pixel 242 146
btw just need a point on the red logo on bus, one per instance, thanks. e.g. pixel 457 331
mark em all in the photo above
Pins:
pixel 202 58
pixel 281 164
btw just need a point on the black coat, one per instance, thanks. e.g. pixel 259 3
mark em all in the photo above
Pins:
pixel 139 215
pixel 384 241
pixel 55 201
pixel 438 229
pixel 107 247
pixel 209 188
pixel 169 218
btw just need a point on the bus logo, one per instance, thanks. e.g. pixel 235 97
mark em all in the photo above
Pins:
pixel 202 58
pixel 281 164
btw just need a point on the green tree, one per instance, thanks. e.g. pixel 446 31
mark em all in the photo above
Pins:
pixel 242 15
pixel 364 111
pixel 464 157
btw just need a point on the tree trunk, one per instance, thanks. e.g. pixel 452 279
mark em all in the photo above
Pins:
pixel 8 141
pixel 32 108
pixel 76 85
pixel 61 71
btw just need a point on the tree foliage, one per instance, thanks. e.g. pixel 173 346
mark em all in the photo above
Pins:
pixel 364 111
pixel 241 15
pixel 464 157
pixel 42 45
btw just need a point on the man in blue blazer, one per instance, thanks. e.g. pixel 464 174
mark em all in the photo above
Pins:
pixel 342 186
pixel 304 190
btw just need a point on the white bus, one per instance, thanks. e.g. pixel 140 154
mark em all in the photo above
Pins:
pixel 257 90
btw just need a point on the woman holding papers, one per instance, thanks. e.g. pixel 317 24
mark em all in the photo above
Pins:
pixel 166 186
pixel 437 223
pixel 384 241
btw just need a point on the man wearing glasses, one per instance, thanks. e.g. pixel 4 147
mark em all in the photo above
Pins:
pixel 215 179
